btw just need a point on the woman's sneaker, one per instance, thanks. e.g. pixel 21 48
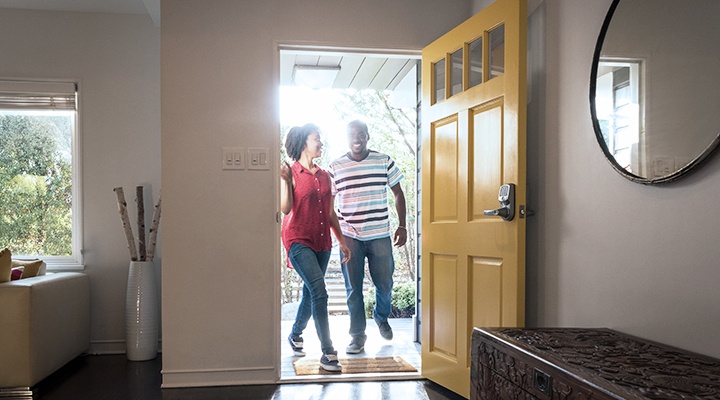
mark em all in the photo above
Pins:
pixel 329 362
pixel 296 342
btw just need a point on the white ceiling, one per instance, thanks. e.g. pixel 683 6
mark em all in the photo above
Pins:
pixel 357 71
pixel 150 7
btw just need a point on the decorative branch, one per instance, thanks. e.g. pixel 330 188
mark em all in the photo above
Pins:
pixel 140 222
pixel 154 229
pixel 122 209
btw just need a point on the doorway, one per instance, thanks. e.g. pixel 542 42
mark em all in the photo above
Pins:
pixel 329 88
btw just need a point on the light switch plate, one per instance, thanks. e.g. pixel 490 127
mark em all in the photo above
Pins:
pixel 233 158
pixel 258 158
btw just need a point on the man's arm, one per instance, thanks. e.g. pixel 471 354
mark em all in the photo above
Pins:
pixel 401 232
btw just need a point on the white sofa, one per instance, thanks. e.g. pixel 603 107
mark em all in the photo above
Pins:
pixel 44 324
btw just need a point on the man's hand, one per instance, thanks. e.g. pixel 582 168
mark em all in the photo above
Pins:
pixel 400 236
pixel 345 252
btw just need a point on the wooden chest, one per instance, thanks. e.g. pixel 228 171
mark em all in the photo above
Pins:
pixel 578 363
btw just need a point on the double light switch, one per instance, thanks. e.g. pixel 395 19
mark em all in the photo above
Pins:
pixel 252 158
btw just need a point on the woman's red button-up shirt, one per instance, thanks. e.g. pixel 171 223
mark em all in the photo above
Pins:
pixel 308 222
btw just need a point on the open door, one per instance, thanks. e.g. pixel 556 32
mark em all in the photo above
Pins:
pixel 473 143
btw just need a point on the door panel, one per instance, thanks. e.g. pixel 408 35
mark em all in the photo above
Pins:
pixel 444 318
pixel 444 171
pixel 473 141
pixel 486 157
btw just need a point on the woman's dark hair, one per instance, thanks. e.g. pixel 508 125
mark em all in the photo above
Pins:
pixel 297 138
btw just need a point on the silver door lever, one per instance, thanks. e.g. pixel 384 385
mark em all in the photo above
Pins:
pixel 506 197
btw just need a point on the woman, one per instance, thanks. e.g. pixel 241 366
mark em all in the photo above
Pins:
pixel 305 199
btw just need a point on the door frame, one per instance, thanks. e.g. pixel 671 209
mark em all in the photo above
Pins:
pixel 281 46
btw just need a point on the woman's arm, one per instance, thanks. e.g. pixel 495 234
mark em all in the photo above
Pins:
pixel 286 188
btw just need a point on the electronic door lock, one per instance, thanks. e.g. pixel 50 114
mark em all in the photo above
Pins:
pixel 506 197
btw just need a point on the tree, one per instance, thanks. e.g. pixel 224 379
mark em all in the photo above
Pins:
pixel 35 184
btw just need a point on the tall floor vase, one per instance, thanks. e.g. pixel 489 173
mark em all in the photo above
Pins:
pixel 141 312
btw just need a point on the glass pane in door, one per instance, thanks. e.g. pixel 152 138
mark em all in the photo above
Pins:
pixel 497 51
pixel 475 61
pixel 439 81
pixel 456 72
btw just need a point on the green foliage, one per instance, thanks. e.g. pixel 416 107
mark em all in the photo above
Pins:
pixel 403 301
pixel 36 184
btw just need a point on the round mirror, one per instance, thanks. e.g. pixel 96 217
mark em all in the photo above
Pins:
pixel 655 87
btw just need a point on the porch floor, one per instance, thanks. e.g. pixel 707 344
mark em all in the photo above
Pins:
pixel 402 345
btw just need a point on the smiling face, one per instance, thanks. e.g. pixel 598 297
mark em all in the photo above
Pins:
pixel 313 145
pixel 357 140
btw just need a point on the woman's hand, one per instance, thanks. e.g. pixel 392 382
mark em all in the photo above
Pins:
pixel 286 172
pixel 286 188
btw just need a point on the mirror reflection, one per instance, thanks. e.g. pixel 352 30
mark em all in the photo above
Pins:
pixel 654 87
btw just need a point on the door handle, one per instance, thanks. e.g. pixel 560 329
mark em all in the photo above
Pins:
pixel 506 197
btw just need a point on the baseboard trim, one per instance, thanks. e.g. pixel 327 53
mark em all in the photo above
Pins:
pixel 17 393
pixel 106 347
pixel 219 377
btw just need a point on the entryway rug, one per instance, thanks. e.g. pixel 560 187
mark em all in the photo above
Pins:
pixel 304 366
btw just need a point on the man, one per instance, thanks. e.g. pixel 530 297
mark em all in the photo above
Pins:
pixel 360 181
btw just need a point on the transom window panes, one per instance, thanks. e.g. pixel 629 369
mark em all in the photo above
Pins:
pixel 497 51
pixel 38 171
pixel 476 62
pixel 456 72
pixel 439 76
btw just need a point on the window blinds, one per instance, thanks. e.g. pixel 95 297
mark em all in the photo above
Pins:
pixel 18 95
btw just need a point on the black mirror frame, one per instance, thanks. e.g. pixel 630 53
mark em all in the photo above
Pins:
pixel 598 132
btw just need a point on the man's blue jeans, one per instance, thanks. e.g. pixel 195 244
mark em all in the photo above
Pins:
pixel 381 267
pixel 311 267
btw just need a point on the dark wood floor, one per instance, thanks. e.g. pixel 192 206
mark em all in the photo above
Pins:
pixel 112 377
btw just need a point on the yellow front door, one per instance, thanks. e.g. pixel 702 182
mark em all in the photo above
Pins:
pixel 473 142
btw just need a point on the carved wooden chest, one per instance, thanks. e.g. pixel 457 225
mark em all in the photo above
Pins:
pixel 578 363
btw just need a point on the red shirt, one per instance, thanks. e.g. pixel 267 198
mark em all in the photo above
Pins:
pixel 308 222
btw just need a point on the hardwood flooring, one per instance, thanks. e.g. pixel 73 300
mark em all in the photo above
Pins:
pixel 112 377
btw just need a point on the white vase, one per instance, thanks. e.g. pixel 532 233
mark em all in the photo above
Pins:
pixel 141 312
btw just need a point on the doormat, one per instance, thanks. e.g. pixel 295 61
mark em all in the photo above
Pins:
pixel 373 365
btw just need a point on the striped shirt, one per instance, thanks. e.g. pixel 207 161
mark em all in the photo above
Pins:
pixel 360 188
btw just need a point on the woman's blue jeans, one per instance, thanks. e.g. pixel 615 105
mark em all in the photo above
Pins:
pixel 381 267
pixel 311 266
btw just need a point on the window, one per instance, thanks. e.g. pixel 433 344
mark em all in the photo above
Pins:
pixel 39 171
pixel 619 105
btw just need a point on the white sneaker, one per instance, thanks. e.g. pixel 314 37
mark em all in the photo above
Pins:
pixel 296 342
pixel 329 362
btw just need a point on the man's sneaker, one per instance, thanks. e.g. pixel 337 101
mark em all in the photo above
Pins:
pixel 357 345
pixel 329 362
pixel 385 330
pixel 296 342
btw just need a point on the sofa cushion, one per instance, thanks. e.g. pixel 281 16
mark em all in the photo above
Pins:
pixel 30 268
pixel 5 265
pixel 16 273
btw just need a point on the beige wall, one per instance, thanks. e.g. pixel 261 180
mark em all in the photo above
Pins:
pixel 603 251
pixel 220 281
pixel 117 60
